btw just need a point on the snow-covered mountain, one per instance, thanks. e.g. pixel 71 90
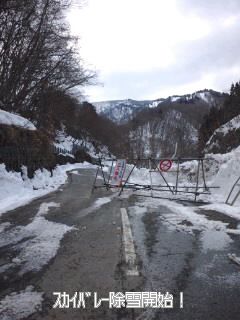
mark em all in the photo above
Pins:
pixel 210 97
pixel 162 126
pixel 121 111
pixel 157 128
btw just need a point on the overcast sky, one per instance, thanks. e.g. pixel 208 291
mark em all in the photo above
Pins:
pixel 149 49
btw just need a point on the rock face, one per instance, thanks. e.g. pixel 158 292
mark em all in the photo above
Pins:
pixel 225 138
pixel 164 137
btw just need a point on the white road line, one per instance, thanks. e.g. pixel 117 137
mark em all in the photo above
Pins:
pixel 181 300
pixel 129 250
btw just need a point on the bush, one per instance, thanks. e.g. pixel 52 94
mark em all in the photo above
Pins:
pixel 19 147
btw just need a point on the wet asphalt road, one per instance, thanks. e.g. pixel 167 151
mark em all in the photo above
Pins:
pixel 176 262
pixel 91 259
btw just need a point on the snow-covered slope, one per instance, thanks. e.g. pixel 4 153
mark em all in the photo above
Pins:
pixel 210 97
pixel 121 111
pixel 102 106
pixel 68 143
pixel 11 119
pixel 225 138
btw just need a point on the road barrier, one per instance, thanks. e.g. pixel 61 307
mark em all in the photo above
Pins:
pixel 161 167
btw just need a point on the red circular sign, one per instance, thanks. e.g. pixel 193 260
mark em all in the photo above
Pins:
pixel 165 165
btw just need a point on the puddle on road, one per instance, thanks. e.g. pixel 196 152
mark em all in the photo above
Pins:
pixel 151 222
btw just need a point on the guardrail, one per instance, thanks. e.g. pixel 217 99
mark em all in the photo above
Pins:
pixel 57 150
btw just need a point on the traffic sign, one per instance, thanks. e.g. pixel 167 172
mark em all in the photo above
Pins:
pixel 165 165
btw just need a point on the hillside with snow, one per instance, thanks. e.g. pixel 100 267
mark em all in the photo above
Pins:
pixel 121 111
pixel 164 135
pixel 91 146
pixel 225 138
pixel 163 127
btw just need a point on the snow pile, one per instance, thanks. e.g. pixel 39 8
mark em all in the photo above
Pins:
pixel 138 176
pixel 20 305
pixel 141 176
pixel 11 119
pixel 221 172
pixel 17 190
pixel 226 173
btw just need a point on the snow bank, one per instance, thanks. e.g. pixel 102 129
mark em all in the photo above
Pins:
pixel 15 120
pixel 17 190
pixel 221 170
pixel 225 173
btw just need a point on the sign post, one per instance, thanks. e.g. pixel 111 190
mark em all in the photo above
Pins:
pixel 118 172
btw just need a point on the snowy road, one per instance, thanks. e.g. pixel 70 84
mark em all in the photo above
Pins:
pixel 71 241
pixel 189 255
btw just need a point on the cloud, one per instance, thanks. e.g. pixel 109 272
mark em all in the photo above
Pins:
pixel 209 8
pixel 156 48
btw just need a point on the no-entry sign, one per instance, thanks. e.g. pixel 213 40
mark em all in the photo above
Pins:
pixel 165 165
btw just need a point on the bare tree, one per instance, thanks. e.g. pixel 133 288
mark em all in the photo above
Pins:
pixel 37 52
